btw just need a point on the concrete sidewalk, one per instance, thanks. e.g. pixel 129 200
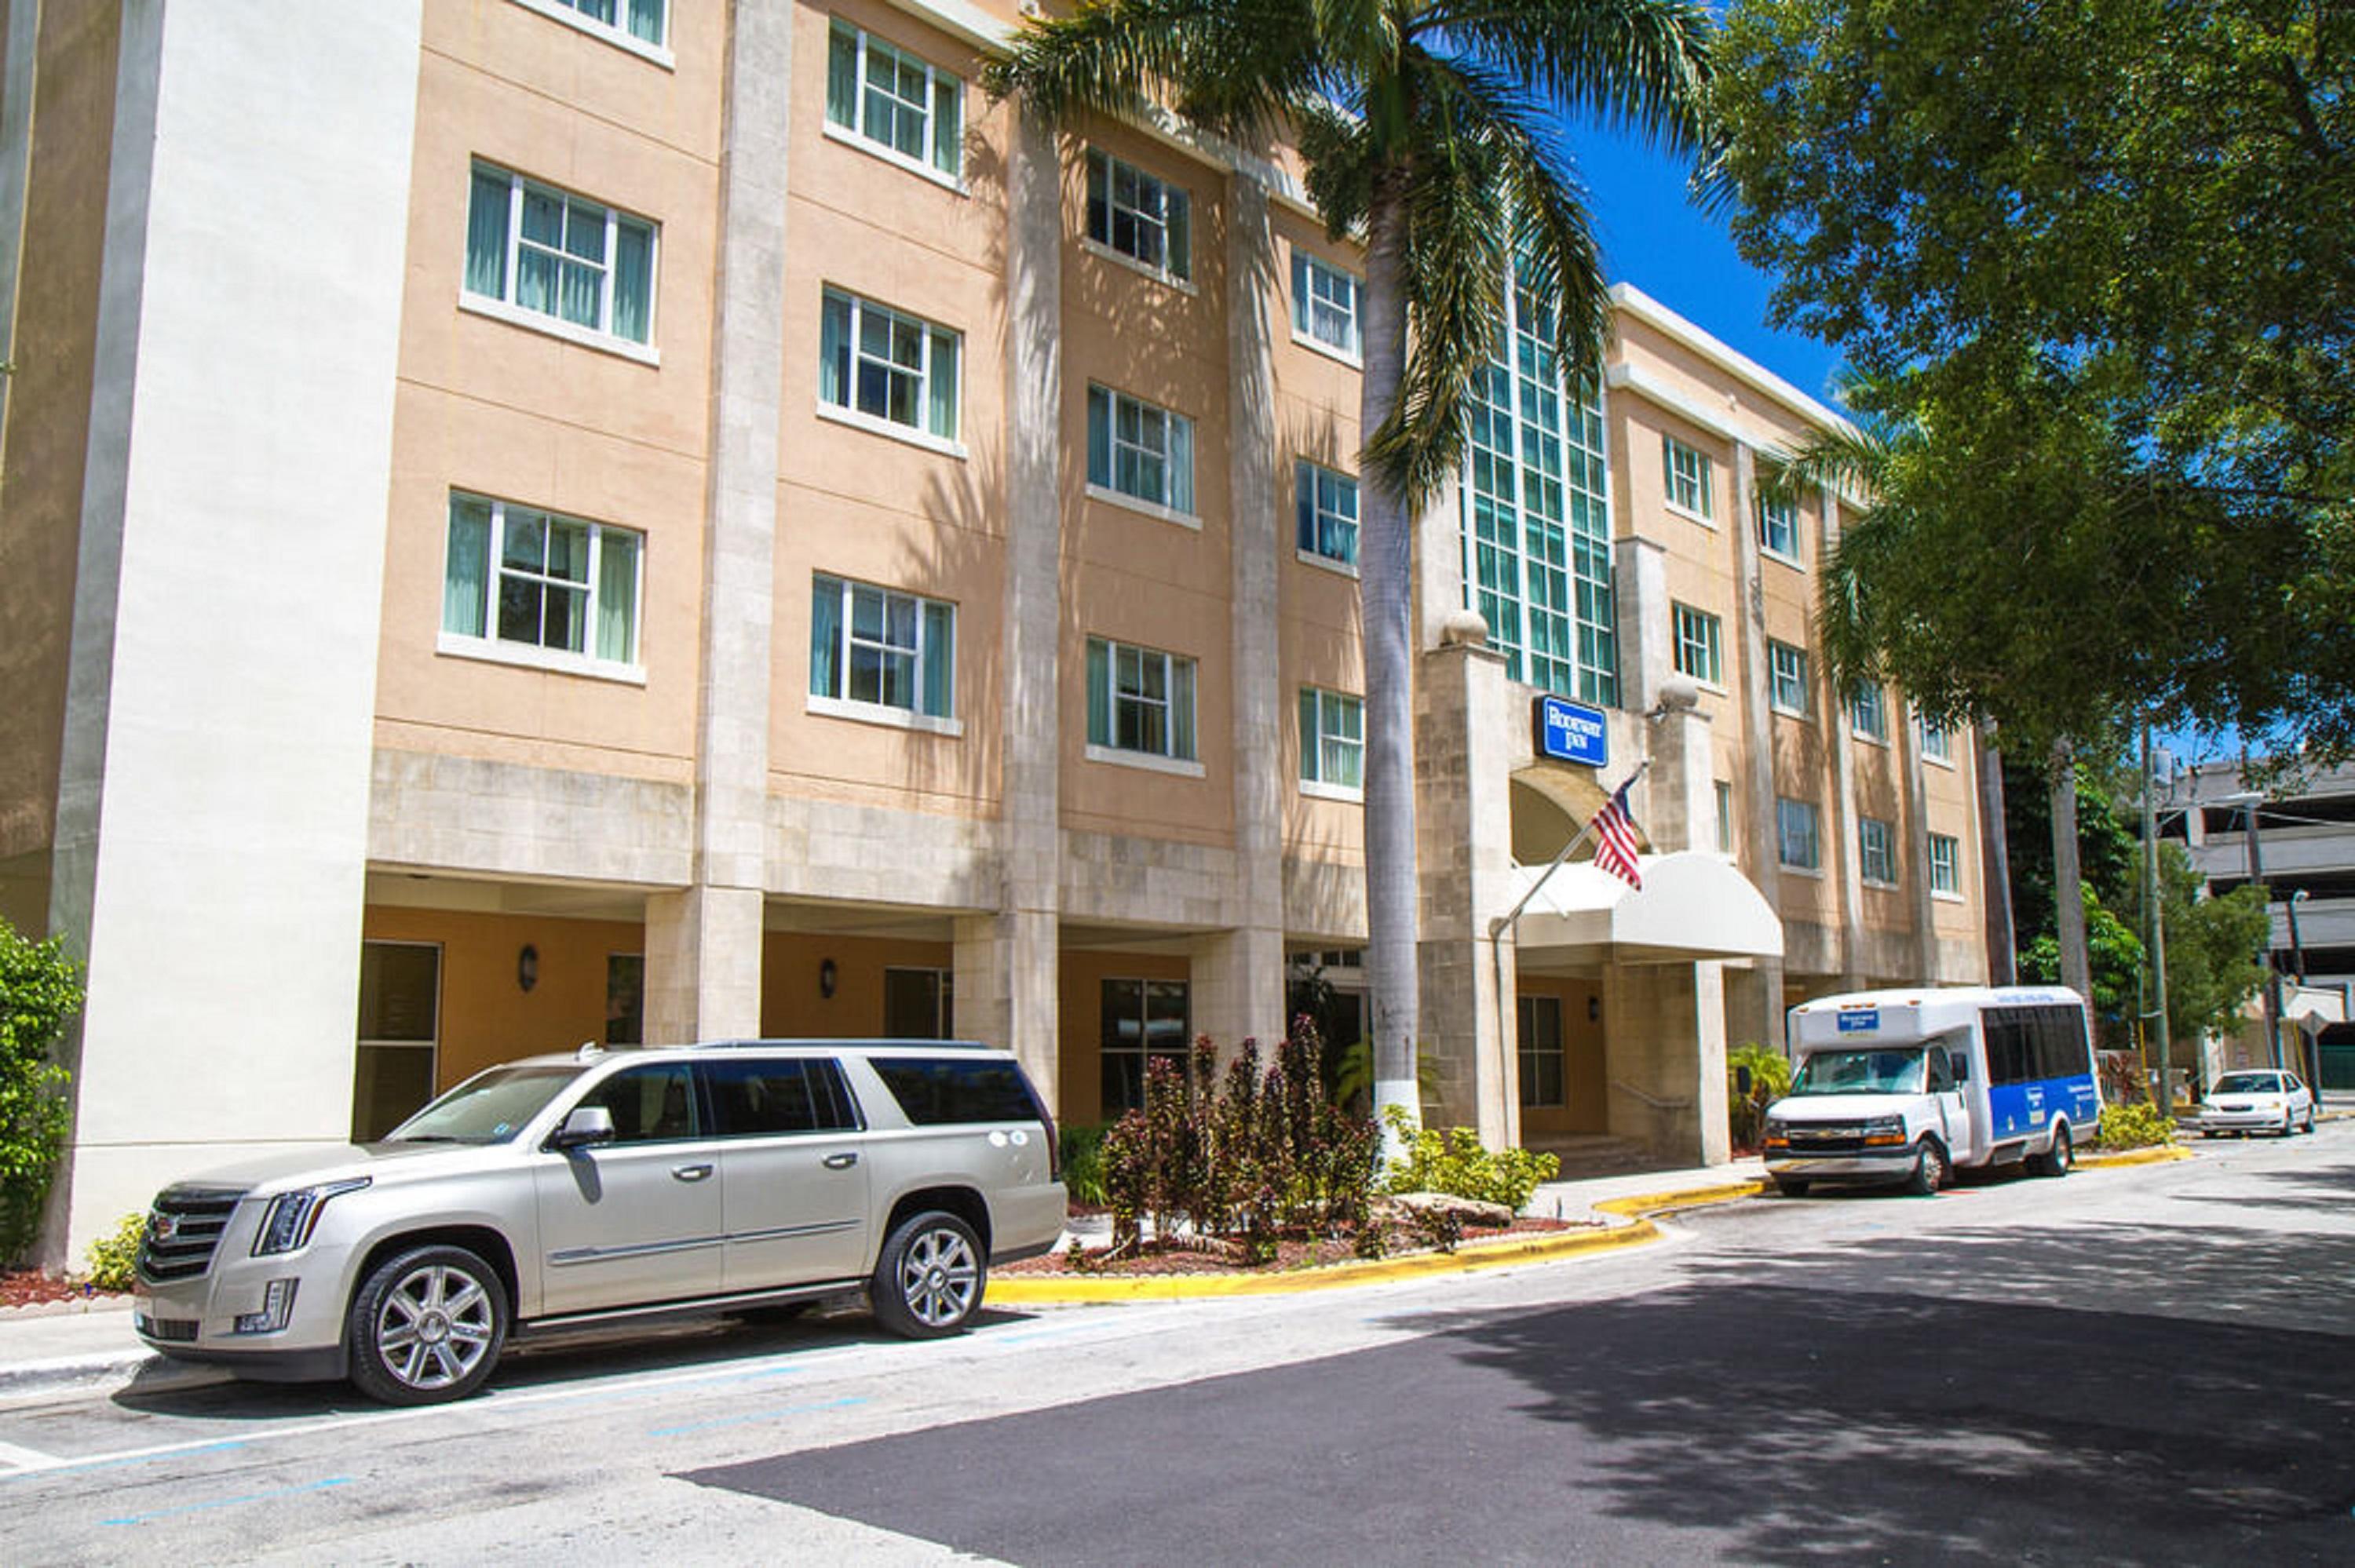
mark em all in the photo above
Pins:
pixel 50 1351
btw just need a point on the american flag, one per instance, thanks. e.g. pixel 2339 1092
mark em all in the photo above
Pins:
pixel 1615 840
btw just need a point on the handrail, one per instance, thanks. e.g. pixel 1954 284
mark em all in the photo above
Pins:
pixel 1654 1101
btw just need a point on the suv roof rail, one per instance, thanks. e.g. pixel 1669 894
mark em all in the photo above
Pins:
pixel 871 1043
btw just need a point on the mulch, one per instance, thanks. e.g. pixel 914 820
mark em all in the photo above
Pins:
pixel 1178 1257
pixel 31 1287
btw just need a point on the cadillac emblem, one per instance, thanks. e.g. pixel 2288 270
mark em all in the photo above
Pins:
pixel 163 1227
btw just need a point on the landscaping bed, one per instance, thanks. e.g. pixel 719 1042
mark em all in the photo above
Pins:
pixel 31 1287
pixel 1185 1256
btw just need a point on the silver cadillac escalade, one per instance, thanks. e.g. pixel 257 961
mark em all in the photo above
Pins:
pixel 560 1191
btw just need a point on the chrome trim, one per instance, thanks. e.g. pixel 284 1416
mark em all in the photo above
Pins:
pixel 694 1304
pixel 822 1228
pixel 573 1255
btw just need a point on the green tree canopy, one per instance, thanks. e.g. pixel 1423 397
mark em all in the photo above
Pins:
pixel 2112 233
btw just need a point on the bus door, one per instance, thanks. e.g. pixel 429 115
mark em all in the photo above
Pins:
pixel 1948 1067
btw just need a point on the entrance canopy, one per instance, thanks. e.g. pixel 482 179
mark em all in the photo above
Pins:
pixel 1692 907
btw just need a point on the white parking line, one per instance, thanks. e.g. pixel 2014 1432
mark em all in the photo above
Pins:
pixel 25 1458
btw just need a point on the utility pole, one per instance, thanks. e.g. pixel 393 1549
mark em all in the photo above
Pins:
pixel 2257 880
pixel 2161 1097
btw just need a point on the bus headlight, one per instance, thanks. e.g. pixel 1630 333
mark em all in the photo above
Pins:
pixel 1885 1132
pixel 1778 1134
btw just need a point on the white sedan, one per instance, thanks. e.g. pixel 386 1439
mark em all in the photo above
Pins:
pixel 2257 1101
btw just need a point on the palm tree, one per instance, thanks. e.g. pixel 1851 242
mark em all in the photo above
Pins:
pixel 1432 126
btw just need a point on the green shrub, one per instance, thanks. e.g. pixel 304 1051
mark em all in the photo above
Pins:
pixel 114 1259
pixel 1770 1080
pixel 2136 1124
pixel 1455 1162
pixel 1082 1152
pixel 40 991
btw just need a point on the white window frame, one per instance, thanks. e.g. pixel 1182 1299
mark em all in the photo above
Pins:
pixel 927 373
pixel 1779 517
pixel 1875 852
pixel 1176 466
pixel 1182 753
pixel 1793 816
pixel 1170 209
pixel 1723 789
pixel 1937 743
pixel 1685 479
pixel 1946 868
pixel 1867 713
pixel 1314 522
pixel 489 645
pixel 865 45
pixel 1697 636
pixel 1324 718
pixel 923 654
pixel 575 14
pixel 504 306
pixel 1316 283
pixel 1786 669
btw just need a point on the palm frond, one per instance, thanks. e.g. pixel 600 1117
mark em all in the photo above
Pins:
pixel 1641 66
pixel 1234 68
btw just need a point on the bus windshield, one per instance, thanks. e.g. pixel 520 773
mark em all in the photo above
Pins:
pixel 1882 1071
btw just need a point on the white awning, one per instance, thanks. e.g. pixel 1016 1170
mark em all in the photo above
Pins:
pixel 1692 907
pixel 2314 1008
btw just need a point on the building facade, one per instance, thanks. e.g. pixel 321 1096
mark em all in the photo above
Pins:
pixel 602 519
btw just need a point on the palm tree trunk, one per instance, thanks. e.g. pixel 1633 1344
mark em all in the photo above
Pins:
pixel 1994 865
pixel 1385 573
pixel 2068 881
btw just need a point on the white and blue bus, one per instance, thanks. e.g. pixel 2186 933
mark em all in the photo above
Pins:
pixel 1909 1085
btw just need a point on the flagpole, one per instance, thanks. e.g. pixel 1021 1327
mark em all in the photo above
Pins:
pixel 1498 926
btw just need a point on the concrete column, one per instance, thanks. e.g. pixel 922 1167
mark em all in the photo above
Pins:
pixel 714 991
pixel 1006 970
pixel 1917 846
pixel 1664 1059
pixel 211 830
pixel 1031 823
pixel 1682 787
pixel 1645 621
pixel 1847 852
pixel 16 52
pixel 1758 991
pixel 1239 975
pixel 1463 725
pixel 1439 590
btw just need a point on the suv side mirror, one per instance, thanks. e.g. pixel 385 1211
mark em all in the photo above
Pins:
pixel 586 1125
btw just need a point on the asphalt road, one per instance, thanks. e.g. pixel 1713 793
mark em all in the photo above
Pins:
pixel 2145 1365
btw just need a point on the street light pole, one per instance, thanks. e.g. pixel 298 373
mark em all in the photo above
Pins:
pixel 2273 976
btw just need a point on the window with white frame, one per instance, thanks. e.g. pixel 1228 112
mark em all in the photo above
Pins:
pixel 1139 216
pixel 1946 864
pixel 1696 644
pixel 1140 700
pixel 1876 850
pixel 896 104
pixel 1778 528
pixel 648 21
pixel 1867 716
pixel 873 648
pixel 1332 740
pixel 1724 817
pixel 1787 686
pixel 519 578
pixel 887 367
pixel 1326 503
pixel 1688 474
pixel 1937 741
pixel 1796 843
pixel 1140 449
pixel 1539 1049
pixel 1326 303
pixel 547 253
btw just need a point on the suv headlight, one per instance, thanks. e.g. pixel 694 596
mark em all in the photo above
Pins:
pixel 287 1224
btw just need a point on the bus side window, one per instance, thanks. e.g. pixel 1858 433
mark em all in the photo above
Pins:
pixel 1942 1076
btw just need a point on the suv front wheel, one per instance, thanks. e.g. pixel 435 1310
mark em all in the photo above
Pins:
pixel 929 1280
pixel 426 1326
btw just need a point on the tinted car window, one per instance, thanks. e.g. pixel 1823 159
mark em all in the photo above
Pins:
pixel 934 1093
pixel 649 1105
pixel 752 1099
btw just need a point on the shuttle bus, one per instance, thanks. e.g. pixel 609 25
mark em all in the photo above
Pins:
pixel 1910 1086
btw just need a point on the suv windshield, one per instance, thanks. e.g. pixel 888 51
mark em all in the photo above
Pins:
pixel 1879 1072
pixel 489 1107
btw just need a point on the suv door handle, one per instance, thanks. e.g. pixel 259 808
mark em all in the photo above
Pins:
pixel 840 1162
pixel 690 1172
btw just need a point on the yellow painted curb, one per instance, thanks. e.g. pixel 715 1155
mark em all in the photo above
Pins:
pixel 2157 1155
pixel 1075 1290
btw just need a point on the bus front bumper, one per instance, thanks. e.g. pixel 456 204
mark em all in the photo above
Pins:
pixel 1875 1165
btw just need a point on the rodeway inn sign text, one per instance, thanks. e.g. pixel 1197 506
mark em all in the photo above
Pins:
pixel 1572 732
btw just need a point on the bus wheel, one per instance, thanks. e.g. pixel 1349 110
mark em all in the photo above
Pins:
pixel 2057 1159
pixel 1931 1170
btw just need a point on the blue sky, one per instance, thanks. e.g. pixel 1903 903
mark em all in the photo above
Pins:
pixel 1654 237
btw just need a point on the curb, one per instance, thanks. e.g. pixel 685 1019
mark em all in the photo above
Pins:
pixel 1078 1290
pixel 2159 1154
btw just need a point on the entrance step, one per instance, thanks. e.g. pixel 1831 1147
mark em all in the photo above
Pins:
pixel 1585 1154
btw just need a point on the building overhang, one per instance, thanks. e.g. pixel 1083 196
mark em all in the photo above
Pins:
pixel 1692 907
pixel 2313 1008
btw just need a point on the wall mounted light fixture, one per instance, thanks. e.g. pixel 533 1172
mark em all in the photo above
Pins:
pixel 528 967
pixel 828 975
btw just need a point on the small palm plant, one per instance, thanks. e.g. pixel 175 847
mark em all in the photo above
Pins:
pixel 1770 1080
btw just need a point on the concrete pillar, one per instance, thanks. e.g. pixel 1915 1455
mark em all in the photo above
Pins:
pixel 1005 979
pixel 1645 621
pixel 210 842
pixel 1464 723
pixel 1848 848
pixel 1916 872
pixel 1682 787
pixel 703 946
pixel 1031 823
pixel 1238 989
pixel 1758 993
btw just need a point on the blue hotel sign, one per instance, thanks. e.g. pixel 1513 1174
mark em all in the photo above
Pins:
pixel 1572 732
